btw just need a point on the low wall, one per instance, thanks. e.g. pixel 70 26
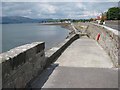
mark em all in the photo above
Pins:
pixel 55 52
pixel 108 40
pixel 23 64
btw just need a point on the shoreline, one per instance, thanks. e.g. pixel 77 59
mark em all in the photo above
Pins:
pixel 52 23
pixel 63 25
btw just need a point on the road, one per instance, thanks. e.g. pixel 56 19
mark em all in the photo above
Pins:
pixel 112 24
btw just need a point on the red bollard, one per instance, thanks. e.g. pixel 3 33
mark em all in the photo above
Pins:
pixel 98 36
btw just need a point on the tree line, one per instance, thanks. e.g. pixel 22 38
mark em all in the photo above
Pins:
pixel 113 13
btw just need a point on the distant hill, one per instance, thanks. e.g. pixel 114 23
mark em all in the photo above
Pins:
pixel 19 19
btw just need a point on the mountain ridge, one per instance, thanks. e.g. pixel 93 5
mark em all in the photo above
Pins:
pixel 19 19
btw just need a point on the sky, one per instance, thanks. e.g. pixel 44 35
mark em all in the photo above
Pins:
pixel 56 10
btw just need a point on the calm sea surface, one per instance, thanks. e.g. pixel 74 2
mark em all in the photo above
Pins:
pixel 14 35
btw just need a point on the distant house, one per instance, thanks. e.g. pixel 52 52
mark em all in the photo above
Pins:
pixel 98 17
pixel 101 18
pixel 67 21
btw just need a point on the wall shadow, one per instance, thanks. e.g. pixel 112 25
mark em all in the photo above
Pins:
pixel 43 77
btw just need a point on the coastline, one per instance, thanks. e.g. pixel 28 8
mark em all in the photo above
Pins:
pixel 53 23
pixel 63 25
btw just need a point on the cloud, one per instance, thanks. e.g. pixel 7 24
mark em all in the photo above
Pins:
pixel 60 0
pixel 55 9
pixel 46 7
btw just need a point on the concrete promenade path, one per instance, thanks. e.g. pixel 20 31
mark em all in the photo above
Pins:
pixel 84 64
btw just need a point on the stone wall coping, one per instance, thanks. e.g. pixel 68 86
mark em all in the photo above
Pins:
pixel 16 51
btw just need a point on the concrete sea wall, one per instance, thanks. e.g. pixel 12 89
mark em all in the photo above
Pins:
pixel 22 64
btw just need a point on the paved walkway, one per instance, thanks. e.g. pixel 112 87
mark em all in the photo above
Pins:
pixel 84 64
pixel 84 52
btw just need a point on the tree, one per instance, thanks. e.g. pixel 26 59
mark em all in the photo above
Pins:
pixel 102 18
pixel 91 19
pixel 113 13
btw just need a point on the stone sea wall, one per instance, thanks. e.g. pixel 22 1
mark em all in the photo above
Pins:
pixel 21 64
pixel 109 40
